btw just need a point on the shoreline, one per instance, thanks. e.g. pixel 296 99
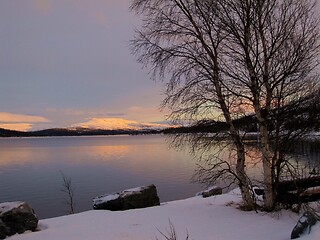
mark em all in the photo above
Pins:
pixel 216 217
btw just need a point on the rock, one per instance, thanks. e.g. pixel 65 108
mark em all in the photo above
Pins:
pixel 141 197
pixel 306 221
pixel 212 191
pixel 3 230
pixel 16 217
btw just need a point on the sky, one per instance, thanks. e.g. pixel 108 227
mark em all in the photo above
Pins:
pixel 67 63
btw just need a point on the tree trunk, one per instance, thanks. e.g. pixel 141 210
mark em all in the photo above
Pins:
pixel 269 200
pixel 242 177
pixel 240 167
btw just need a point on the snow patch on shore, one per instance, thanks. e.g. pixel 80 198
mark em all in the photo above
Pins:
pixel 210 218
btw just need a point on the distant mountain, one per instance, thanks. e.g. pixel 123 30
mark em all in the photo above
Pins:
pixel 119 123
pixel 73 132
pixel 11 133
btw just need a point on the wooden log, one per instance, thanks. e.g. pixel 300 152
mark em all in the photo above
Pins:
pixel 295 198
pixel 299 190
pixel 298 184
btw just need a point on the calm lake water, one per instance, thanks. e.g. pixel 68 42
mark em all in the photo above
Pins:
pixel 30 169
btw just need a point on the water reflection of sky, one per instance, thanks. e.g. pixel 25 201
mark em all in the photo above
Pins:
pixel 133 155
pixel 30 169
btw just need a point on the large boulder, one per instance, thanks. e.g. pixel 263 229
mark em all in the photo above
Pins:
pixel 16 217
pixel 306 221
pixel 140 197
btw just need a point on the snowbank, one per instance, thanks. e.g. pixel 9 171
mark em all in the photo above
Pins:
pixel 8 206
pixel 203 218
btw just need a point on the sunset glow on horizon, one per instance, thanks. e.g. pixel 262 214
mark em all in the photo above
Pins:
pixel 23 127
pixel 20 122
pixel 118 123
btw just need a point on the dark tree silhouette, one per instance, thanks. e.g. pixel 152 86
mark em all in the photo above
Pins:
pixel 225 59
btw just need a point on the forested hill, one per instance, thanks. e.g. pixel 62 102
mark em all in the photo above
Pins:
pixel 11 133
pixel 302 114
pixel 72 132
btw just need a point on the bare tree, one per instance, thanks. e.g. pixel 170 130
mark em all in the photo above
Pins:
pixel 68 189
pixel 274 45
pixel 229 58
pixel 184 38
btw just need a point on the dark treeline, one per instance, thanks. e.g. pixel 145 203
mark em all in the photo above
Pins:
pixel 300 114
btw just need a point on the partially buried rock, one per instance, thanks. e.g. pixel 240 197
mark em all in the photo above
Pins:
pixel 212 191
pixel 16 217
pixel 140 197
pixel 306 221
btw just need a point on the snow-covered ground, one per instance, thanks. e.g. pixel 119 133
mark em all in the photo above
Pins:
pixel 211 218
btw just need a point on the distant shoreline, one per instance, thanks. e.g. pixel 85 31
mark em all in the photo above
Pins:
pixel 61 132
pixel 86 132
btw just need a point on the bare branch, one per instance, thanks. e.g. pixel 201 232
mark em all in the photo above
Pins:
pixel 68 189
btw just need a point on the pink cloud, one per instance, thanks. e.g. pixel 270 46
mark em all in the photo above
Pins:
pixel 17 126
pixel 20 122
pixel 21 118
